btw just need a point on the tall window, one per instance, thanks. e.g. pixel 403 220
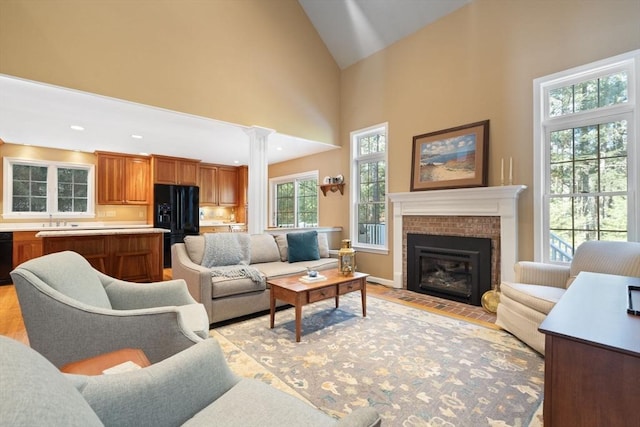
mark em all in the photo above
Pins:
pixel 369 189
pixel 294 200
pixel 37 189
pixel 586 156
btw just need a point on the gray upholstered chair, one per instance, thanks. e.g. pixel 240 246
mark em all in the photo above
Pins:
pixel 72 311
pixel 525 302
pixel 194 387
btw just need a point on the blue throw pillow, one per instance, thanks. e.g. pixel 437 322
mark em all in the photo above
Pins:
pixel 303 246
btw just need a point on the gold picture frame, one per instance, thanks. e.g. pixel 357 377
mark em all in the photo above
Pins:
pixel 451 158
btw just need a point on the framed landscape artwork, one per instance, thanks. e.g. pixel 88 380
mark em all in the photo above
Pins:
pixel 451 158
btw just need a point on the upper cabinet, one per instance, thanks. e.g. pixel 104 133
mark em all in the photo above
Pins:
pixel 175 170
pixel 227 186
pixel 218 185
pixel 123 179
pixel 208 183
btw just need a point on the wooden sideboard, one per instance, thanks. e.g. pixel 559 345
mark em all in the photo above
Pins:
pixel 592 355
pixel 133 255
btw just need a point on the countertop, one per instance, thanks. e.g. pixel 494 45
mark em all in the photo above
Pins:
pixel 98 232
pixel 44 226
pixel 214 223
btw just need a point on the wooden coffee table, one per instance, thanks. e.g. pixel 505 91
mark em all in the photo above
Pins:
pixel 291 290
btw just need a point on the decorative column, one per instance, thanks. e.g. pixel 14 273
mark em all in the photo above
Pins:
pixel 258 179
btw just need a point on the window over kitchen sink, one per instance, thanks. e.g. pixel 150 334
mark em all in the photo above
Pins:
pixel 41 189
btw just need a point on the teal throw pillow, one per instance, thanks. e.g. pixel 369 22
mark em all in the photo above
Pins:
pixel 303 246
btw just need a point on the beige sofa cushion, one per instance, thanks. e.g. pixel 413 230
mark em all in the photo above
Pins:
pixel 281 241
pixel 224 286
pixel 195 248
pixel 264 249
pixel 537 297
pixel 598 256
pixel 323 245
pixel 279 269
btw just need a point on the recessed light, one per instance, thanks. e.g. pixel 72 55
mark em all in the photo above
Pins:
pixel 236 161
pixel 134 136
pixel 279 148
pixel 144 154
pixel 76 127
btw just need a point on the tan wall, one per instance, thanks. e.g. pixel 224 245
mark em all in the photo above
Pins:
pixel 479 63
pixel 333 211
pixel 251 62
pixel 259 62
pixel 104 213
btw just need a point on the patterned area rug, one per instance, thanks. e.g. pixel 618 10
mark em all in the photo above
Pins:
pixel 414 367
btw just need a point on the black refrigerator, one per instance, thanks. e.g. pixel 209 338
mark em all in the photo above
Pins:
pixel 176 208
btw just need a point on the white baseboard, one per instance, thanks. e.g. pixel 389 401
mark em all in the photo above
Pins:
pixel 385 282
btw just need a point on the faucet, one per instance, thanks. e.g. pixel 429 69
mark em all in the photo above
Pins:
pixel 50 220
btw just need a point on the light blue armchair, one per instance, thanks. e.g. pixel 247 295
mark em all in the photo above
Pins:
pixel 72 311
pixel 194 388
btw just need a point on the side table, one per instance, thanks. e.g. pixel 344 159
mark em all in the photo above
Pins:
pixel 592 355
pixel 97 364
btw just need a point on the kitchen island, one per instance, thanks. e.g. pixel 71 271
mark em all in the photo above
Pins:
pixel 131 254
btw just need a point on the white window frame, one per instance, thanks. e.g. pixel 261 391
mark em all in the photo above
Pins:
pixel 273 182
pixel 354 193
pixel 543 125
pixel 52 189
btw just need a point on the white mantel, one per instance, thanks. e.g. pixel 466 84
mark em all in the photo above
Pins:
pixel 478 201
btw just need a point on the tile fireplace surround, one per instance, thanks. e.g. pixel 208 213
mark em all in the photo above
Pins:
pixel 501 202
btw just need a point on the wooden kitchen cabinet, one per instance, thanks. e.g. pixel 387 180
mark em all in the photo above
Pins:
pixel 26 246
pixel 243 186
pixel 135 257
pixel 227 186
pixel 208 182
pixel 215 229
pixel 175 170
pixel 218 185
pixel 123 179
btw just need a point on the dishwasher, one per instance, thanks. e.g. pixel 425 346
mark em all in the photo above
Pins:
pixel 6 256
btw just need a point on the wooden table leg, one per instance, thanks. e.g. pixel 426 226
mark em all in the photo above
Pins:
pixel 272 307
pixel 298 320
pixel 363 293
pixel 337 300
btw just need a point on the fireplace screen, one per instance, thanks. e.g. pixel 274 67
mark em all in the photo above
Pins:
pixel 452 267
pixel 445 271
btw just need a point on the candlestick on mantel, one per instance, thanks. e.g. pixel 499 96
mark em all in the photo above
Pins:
pixel 510 170
pixel 502 171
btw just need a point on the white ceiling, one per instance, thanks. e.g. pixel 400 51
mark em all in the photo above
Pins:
pixel 355 29
pixel 41 115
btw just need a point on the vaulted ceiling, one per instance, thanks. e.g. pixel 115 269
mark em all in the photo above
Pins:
pixel 39 114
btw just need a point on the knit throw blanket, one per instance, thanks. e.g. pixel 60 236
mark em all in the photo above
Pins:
pixel 236 272
pixel 228 255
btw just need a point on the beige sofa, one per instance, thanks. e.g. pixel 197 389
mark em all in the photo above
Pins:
pixel 525 303
pixel 226 298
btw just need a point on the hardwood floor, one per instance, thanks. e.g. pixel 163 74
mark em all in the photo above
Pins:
pixel 11 323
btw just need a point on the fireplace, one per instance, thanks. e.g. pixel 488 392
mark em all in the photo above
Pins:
pixel 500 202
pixel 452 267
